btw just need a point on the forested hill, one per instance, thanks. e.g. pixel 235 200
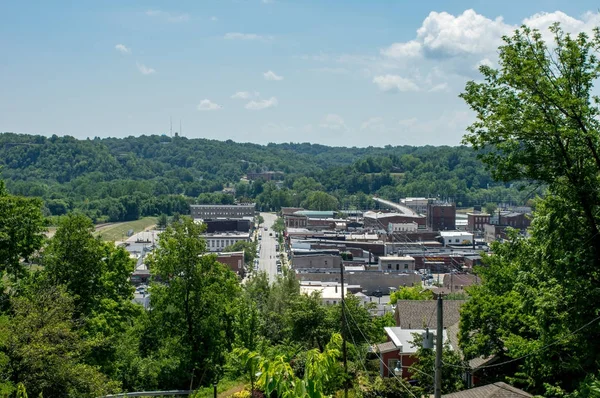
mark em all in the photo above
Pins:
pixel 124 178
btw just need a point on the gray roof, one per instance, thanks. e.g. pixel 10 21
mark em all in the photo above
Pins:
pixel 422 313
pixel 387 346
pixel 494 390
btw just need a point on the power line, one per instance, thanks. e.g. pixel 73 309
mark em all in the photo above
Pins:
pixel 532 352
pixel 401 381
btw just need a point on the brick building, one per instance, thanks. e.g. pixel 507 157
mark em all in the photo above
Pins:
pixel 441 216
pixel 476 221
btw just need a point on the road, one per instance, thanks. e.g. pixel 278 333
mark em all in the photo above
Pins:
pixel 268 254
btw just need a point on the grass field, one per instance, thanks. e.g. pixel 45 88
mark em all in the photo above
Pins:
pixel 118 231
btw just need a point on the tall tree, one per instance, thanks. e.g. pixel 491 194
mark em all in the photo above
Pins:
pixel 193 302
pixel 537 120
pixel 91 270
pixel 21 231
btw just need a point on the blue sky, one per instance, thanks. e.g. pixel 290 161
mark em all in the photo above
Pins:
pixel 352 73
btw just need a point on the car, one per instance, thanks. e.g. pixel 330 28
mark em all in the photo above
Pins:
pixel 266 228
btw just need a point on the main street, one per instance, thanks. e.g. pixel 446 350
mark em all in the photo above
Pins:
pixel 268 255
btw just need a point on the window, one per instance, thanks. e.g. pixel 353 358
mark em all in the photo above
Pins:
pixel 389 266
pixel 397 267
pixel 395 367
pixel 405 266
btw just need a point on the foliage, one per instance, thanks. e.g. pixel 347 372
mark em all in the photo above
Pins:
pixel 249 249
pixel 424 368
pixel 411 293
pixel 21 231
pixel 387 387
pixel 121 179
pixel 191 304
pixel 537 120
pixel 44 349
pixel 90 269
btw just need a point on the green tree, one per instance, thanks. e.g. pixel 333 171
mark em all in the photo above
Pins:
pixel 91 270
pixel 162 221
pixel 490 208
pixel 21 231
pixel 192 303
pixel 411 293
pixel 537 120
pixel 45 350
pixel 423 369
pixel 318 200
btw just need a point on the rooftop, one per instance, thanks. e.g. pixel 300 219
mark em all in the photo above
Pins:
pixel 397 258
pixel 494 390
pixel 403 338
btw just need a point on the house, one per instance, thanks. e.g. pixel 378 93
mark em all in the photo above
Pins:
pixel 398 353
pixel 397 263
pixel 494 390
pixel 422 313
pixel 455 238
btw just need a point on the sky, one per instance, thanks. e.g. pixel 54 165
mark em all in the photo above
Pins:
pixel 342 73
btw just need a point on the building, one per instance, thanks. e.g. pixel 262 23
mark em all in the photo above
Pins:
pixel 476 221
pixel 315 213
pixel 494 232
pixel 288 211
pixel 441 216
pixel 222 211
pixel 397 263
pixel 233 260
pixel 418 205
pixel 295 221
pixel 418 313
pixel 217 242
pixel 398 353
pixel 312 260
pixel 456 238
pixel 228 225
pixel 379 220
pixel 494 390
pixel 402 227
pixel 371 282
pixel 331 293
pixel 514 220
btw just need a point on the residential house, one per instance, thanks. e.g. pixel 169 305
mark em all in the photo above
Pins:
pixel 398 353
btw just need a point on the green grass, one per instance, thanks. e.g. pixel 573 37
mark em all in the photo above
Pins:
pixel 118 231
pixel 223 386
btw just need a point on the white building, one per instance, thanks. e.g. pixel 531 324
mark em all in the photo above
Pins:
pixel 453 238
pixel 331 293
pixel 217 242
pixel 403 227
pixel 397 263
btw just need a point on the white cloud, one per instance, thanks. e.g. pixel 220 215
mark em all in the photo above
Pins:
pixel 208 105
pixel 270 75
pixel 242 95
pixel 145 70
pixel 407 122
pixel 374 124
pixel 262 104
pixel 122 49
pixel 168 16
pixel 333 121
pixel 246 36
pixel 395 83
pixel 439 87
pixel 403 50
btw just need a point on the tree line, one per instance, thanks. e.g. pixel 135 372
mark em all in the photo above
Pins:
pixel 123 179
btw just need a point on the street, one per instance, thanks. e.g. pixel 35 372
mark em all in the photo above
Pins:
pixel 268 254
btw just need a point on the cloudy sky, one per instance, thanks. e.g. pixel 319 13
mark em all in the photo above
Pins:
pixel 348 73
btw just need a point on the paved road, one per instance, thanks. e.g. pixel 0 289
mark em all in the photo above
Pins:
pixel 268 254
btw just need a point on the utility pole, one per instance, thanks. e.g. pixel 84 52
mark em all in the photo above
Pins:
pixel 344 327
pixel 439 347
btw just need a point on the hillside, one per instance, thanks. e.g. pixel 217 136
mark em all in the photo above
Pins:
pixel 122 179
